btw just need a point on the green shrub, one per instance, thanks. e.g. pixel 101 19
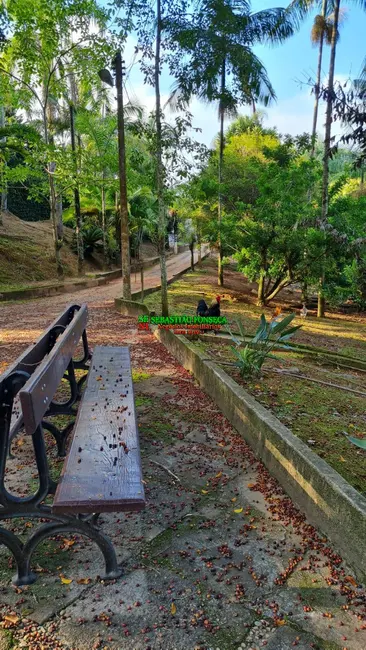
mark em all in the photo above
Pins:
pixel 251 356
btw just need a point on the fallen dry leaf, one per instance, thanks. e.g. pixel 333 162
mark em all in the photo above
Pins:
pixel 173 609
pixel 351 580
pixel 204 491
pixel 65 581
pixel 69 542
pixel 12 618
pixel 83 581
pixel 238 510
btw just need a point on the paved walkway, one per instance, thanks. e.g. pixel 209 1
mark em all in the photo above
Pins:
pixel 175 264
pixel 220 558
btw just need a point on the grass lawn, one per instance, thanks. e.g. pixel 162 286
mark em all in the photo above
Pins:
pixel 319 415
pixel 337 333
pixel 316 413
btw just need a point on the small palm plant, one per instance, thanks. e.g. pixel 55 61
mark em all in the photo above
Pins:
pixel 270 334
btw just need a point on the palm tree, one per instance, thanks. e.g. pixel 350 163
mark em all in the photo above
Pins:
pixel 321 31
pixel 159 162
pixel 301 8
pixel 221 67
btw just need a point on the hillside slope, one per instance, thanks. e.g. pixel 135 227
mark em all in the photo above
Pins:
pixel 27 252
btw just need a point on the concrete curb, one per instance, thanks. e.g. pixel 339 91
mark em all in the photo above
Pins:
pixel 328 501
pixel 130 307
pixel 51 289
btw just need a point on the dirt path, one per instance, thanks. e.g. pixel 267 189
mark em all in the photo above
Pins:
pixel 219 559
pixel 22 322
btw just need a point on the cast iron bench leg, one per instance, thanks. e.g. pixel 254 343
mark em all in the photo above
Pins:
pixel 23 554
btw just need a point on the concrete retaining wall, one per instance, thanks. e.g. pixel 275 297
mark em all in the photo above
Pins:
pixel 51 289
pixel 130 307
pixel 328 501
pixel 135 268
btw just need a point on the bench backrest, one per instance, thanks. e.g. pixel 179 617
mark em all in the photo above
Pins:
pixel 37 394
pixel 35 353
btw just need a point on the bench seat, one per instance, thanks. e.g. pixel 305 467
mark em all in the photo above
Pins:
pixel 102 471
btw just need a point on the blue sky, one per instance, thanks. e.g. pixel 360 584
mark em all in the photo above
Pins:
pixel 289 67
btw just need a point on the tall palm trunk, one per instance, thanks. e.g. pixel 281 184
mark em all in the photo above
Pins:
pixel 125 234
pixel 103 198
pixel 318 80
pixel 4 190
pixel 105 249
pixel 159 169
pixel 327 143
pixel 51 167
pixel 191 248
pixel 79 234
pixel 50 115
pixel 78 217
pixel 199 243
pixel 221 160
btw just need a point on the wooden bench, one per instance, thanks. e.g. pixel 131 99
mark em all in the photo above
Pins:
pixel 102 472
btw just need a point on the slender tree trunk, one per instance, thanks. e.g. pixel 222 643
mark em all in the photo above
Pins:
pixel 281 285
pixel 57 208
pixel 304 292
pixel 260 294
pixel 125 235
pixel 53 211
pixel 159 169
pixel 321 298
pixel 191 248
pixel 327 142
pixel 105 251
pixel 199 262
pixel 53 215
pixel 79 233
pixel 59 222
pixel 175 237
pixel 318 81
pixel 76 155
pixel 4 189
pixel 221 160
pixel 142 278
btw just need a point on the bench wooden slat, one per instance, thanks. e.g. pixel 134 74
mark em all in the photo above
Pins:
pixel 37 394
pixel 98 476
